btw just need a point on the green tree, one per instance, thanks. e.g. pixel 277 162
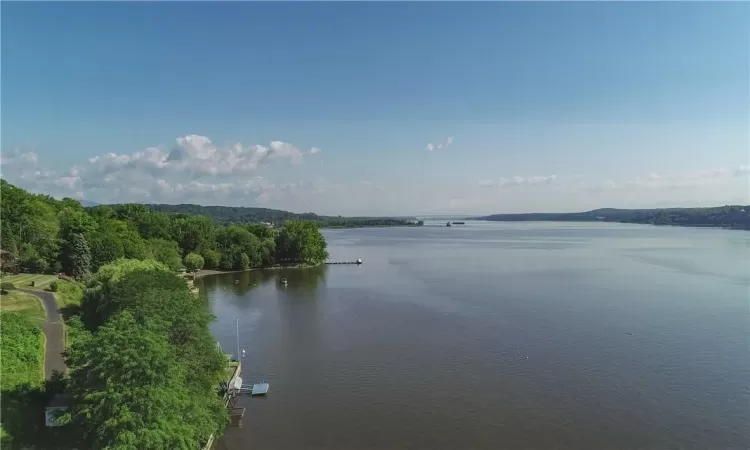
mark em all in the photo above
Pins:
pixel 76 256
pixel 228 258
pixel 166 252
pixel 268 252
pixel 193 262
pixel 244 262
pixel 211 258
pixel 76 221
pixel 300 241
pixel 193 233
pixel 96 305
pixel 165 297
pixel 237 240
pixel 31 261
pixel 105 248
pixel 129 391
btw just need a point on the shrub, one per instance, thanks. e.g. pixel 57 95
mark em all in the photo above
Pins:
pixel 193 262
pixel 53 286
pixel 7 286
pixel 211 258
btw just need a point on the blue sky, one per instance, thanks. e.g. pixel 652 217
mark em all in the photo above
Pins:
pixel 538 106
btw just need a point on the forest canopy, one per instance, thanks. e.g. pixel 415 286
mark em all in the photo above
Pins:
pixel 41 234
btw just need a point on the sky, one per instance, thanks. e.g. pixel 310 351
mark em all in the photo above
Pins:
pixel 379 108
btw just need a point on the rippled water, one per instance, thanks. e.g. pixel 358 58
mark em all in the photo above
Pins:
pixel 498 335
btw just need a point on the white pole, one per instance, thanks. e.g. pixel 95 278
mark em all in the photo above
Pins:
pixel 238 339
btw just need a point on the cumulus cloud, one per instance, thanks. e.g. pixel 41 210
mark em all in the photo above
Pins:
pixel 198 156
pixel 177 173
pixel 440 145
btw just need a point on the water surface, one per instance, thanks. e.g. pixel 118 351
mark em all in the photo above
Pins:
pixel 498 335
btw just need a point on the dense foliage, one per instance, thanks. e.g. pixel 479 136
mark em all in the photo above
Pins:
pixel 733 216
pixel 193 262
pixel 22 351
pixel 243 215
pixel 45 235
pixel 298 241
pixel 144 368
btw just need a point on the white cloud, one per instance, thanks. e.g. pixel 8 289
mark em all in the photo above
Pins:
pixel 196 170
pixel 19 159
pixel 518 181
pixel 197 156
pixel 440 145
pixel 177 174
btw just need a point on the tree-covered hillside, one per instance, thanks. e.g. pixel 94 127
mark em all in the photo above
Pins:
pixel 244 215
pixel 731 216
pixel 43 235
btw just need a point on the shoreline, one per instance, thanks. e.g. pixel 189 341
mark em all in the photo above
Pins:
pixel 207 272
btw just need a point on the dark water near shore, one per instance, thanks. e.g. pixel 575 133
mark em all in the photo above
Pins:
pixel 498 335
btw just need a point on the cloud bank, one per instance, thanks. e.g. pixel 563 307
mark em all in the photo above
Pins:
pixel 196 170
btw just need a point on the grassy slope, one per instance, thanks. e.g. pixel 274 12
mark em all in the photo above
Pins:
pixel 68 293
pixel 22 364
pixel 23 351
pixel 23 303
pixel 23 280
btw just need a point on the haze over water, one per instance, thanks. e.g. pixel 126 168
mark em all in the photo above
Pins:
pixel 498 335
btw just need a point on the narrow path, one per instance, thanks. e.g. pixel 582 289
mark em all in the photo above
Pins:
pixel 53 330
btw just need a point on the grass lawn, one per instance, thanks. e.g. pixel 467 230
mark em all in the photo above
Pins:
pixel 21 302
pixel 68 294
pixel 23 280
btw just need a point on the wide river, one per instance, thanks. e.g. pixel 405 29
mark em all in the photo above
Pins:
pixel 498 336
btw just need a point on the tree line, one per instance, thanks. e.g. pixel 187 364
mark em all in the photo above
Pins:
pixel 730 216
pixel 239 214
pixel 45 235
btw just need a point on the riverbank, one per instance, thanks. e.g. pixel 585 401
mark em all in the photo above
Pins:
pixel 206 272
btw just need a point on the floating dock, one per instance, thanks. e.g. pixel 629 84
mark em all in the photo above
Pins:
pixel 254 389
pixel 359 261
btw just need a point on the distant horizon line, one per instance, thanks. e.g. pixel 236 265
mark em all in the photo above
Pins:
pixel 422 216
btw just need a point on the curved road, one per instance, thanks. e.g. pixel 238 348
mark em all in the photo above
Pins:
pixel 53 329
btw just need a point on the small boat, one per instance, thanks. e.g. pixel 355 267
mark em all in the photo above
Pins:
pixel 284 281
pixel 448 224
pixel 459 223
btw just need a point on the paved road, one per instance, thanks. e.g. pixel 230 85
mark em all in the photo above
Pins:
pixel 53 329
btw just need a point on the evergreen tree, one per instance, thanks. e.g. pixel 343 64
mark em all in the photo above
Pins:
pixel 76 256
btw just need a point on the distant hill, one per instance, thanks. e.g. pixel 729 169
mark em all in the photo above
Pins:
pixel 242 214
pixel 731 216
